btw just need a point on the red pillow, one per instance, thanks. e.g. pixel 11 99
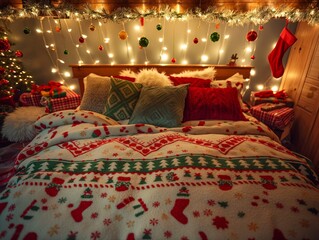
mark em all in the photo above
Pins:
pixel 212 104
pixel 193 82
pixel 125 78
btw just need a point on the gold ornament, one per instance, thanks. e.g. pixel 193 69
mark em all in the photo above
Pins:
pixel 92 27
pixel 123 35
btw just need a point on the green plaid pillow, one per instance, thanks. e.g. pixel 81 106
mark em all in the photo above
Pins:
pixel 123 96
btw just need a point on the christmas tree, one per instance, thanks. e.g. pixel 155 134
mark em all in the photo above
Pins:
pixel 13 79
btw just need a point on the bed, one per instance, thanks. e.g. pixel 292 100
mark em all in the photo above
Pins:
pixel 87 175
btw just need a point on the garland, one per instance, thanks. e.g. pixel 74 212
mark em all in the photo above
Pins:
pixel 212 14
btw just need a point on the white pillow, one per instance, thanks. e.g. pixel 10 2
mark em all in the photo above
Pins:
pixel 128 73
pixel 18 126
pixel 151 77
pixel 207 73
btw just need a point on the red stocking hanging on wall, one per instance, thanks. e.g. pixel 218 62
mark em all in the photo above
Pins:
pixel 285 41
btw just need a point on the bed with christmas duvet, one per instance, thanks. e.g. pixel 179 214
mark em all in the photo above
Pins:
pixel 87 176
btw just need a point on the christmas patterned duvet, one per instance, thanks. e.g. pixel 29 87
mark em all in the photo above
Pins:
pixel 87 177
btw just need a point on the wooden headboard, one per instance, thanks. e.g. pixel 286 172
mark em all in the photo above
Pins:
pixel 222 71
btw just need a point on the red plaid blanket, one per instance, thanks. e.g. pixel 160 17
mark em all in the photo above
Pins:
pixel 278 118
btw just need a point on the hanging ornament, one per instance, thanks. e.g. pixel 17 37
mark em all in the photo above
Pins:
pixel 101 48
pixel 142 21
pixel 123 35
pixel 159 27
pixel 18 53
pixel 217 25
pixel 195 40
pixel 92 27
pixel 2 70
pixel 81 39
pixel 140 47
pixel 4 45
pixel 214 37
pixel 252 57
pixel 26 30
pixel 261 27
pixel 173 60
pixel 58 29
pixel 143 42
pixel 66 52
pixel 251 36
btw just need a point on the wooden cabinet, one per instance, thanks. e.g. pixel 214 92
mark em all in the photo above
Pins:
pixel 301 81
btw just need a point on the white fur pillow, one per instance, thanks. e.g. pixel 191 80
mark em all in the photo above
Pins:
pixel 207 73
pixel 151 77
pixel 128 73
pixel 18 126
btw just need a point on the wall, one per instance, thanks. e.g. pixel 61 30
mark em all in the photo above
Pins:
pixel 39 60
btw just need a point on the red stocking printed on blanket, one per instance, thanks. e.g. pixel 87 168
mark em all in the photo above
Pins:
pixel 180 204
pixel 285 41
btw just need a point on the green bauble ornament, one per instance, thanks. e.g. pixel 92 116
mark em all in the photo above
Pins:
pixel 143 42
pixel 214 37
pixel 66 52
pixel 26 30
pixel 159 27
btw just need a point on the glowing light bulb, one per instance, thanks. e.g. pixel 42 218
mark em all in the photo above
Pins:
pixel 69 30
pixel 221 51
pixel 164 57
pixel 61 61
pixel 184 62
pixel 137 27
pixel 183 46
pixel 97 61
pixel 49 31
pixel 260 87
pixel 164 48
pixel 243 60
pixel 72 87
pixel 252 72
pixel 54 70
pixel 84 36
pixel 248 49
pixel 67 74
pixel 189 31
pixel 204 58
pixel 160 39
pixel 204 40
pixel 274 88
pixel 106 40
pixel 226 36
pixel 132 61
pixel 88 51
pixel 111 55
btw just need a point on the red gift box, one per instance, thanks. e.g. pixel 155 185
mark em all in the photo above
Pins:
pixel 29 99
pixel 276 119
pixel 256 100
pixel 71 101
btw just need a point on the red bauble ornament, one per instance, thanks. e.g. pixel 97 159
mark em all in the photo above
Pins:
pixel 252 57
pixel 2 70
pixel 173 60
pixel 217 25
pixel 251 36
pixel 81 39
pixel 261 27
pixel 18 53
pixel 101 48
pixel 142 21
pixel 58 29
pixel 195 40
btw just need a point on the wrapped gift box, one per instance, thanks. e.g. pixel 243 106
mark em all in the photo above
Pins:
pixel 71 101
pixel 259 100
pixel 29 99
pixel 275 119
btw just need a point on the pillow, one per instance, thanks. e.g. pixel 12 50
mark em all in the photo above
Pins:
pixel 160 106
pixel 151 77
pixel 18 126
pixel 212 104
pixel 125 78
pixel 128 73
pixel 207 73
pixel 123 96
pixel 236 81
pixel 96 90
pixel 193 82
